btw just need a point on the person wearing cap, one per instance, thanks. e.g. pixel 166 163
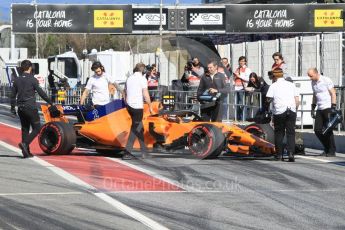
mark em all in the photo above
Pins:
pixel 99 84
pixel 285 100
pixel 24 94
pixel 324 97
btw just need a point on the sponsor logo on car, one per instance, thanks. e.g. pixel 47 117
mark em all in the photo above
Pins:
pixel 95 114
pixel 68 108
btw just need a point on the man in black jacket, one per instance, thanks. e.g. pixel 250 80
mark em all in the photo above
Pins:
pixel 214 83
pixel 23 91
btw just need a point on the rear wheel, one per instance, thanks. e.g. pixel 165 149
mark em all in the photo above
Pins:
pixel 263 131
pixel 57 138
pixel 206 141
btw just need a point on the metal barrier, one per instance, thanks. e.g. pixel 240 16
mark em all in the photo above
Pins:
pixel 61 96
pixel 252 103
pixel 184 100
pixel 5 93
pixel 247 107
pixel 70 96
pixel 303 110
pixel 187 100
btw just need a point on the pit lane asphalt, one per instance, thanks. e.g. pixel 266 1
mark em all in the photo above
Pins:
pixel 219 194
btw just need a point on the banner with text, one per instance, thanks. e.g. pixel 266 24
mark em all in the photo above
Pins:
pixel 234 18
pixel 29 18
pixel 267 18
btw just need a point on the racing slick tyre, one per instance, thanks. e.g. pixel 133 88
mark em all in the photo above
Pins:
pixel 206 141
pixel 57 138
pixel 264 131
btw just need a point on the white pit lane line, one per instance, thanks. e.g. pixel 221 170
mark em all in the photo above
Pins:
pixel 315 158
pixel 40 193
pixel 106 198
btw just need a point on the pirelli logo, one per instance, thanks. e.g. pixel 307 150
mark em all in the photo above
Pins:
pixel 328 18
pixel 108 18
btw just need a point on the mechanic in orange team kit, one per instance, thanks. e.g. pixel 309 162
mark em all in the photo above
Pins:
pixel 23 92
pixel 135 90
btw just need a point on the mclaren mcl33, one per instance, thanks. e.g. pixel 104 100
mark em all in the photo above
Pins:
pixel 107 129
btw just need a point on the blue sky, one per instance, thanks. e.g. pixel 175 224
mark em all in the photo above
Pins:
pixel 6 4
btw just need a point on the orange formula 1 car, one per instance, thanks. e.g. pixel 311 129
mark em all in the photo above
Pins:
pixel 164 131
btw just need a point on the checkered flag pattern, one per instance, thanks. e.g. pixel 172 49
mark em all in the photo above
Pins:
pixel 137 16
pixel 193 16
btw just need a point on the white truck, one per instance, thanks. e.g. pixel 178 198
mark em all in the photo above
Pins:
pixel 39 69
pixel 67 66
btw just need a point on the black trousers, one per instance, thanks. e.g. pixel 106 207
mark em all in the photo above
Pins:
pixel 240 97
pixel 321 120
pixel 212 113
pixel 29 117
pixel 137 129
pixel 284 124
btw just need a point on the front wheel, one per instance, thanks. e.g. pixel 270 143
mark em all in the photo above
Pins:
pixel 206 141
pixel 263 131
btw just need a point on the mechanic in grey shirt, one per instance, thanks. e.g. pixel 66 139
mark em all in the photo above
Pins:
pixel 23 92
pixel 214 83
